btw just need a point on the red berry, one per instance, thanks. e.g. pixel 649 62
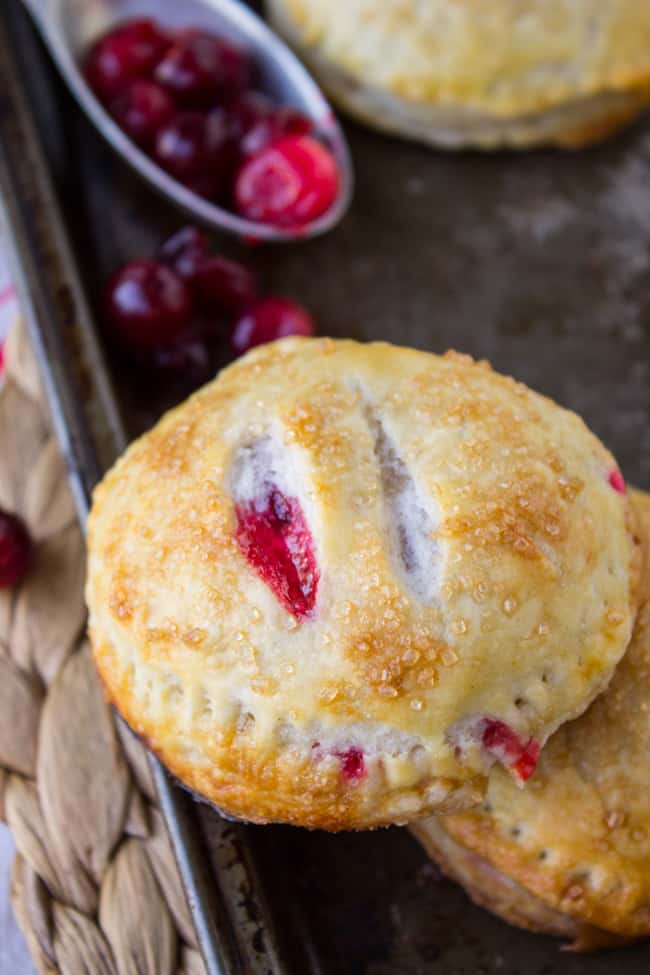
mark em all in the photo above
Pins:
pixel 289 183
pixel 196 149
pixel 226 285
pixel 15 549
pixel 187 357
pixel 268 319
pixel 201 69
pixel 617 481
pixel 185 251
pixel 353 766
pixel 131 50
pixel 275 539
pixel 257 121
pixel 146 304
pixel 500 740
pixel 141 110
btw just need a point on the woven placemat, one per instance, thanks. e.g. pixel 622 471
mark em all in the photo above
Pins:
pixel 95 887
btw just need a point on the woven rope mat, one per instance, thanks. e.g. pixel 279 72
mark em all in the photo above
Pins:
pixel 94 886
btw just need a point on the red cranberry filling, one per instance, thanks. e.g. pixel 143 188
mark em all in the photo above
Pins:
pixel 617 481
pixel 276 541
pixel 353 766
pixel 15 550
pixel 500 740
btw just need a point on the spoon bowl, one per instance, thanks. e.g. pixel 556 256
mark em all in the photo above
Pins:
pixel 69 28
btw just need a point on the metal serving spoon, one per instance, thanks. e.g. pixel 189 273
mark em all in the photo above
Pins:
pixel 69 27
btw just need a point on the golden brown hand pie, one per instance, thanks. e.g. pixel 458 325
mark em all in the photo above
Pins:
pixel 342 580
pixel 464 73
pixel 570 854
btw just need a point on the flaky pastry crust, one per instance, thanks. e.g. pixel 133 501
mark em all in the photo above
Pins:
pixel 467 582
pixel 456 73
pixel 570 855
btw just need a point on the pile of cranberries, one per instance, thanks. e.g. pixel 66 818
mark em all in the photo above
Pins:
pixel 171 312
pixel 186 98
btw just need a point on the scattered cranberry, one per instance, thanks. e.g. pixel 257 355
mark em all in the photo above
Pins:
pixel 141 110
pixel 353 766
pixel 276 541
pixel 225 285
pixel 15 549
pixel 147 304
pixel 185 251
pixel 617 481
pixel 257 121
pixel 289 183
pixel 130 51
pixel 202 69
pixel 196 149
pixel 269 319
pixel 188 357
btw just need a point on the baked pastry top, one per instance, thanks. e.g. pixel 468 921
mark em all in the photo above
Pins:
pixel 457 72
pixel 341 580
pixel 578 837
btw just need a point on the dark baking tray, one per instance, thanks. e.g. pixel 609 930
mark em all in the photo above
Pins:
pixel 539 262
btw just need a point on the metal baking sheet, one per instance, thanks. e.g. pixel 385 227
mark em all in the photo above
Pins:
pixel 539 262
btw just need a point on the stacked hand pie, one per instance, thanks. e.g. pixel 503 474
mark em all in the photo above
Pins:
pixel 455 73
pixel 570 854
pixel 343 585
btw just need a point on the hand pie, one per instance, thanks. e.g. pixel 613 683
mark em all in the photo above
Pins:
pixel 570 854
pixel 342 580
pixel 459 73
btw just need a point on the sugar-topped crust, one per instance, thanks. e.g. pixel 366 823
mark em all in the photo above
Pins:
pixel 460 73
pixel 573 848
pixel 459 582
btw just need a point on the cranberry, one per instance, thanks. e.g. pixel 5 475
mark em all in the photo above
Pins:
pixel 147 304
pixel 353 766
pixel 141 109
pixel 257 121
pixel 201 68
pixel 196 150
pixel 185 251
pixel 617 481
pixel 276 541
pixel 131 50
pixel 226 285
pixel 289 183
pixel 188 356
pixel 15 549
pixel 269 319
pixel 502 742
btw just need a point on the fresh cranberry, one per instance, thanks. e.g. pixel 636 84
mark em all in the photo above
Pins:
pixel 353 766
pixel 289 183
pixel 187 357
pixel 617 481
pixel 201 68
pixel 186 251
pixel 257 121
pixel 15 549
pixel 268 319
pixel 147 304
pixel 132 50
pixel 276 541
pixel 500 740
pixel 196 149
pixel 225 285
pixel 141 110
